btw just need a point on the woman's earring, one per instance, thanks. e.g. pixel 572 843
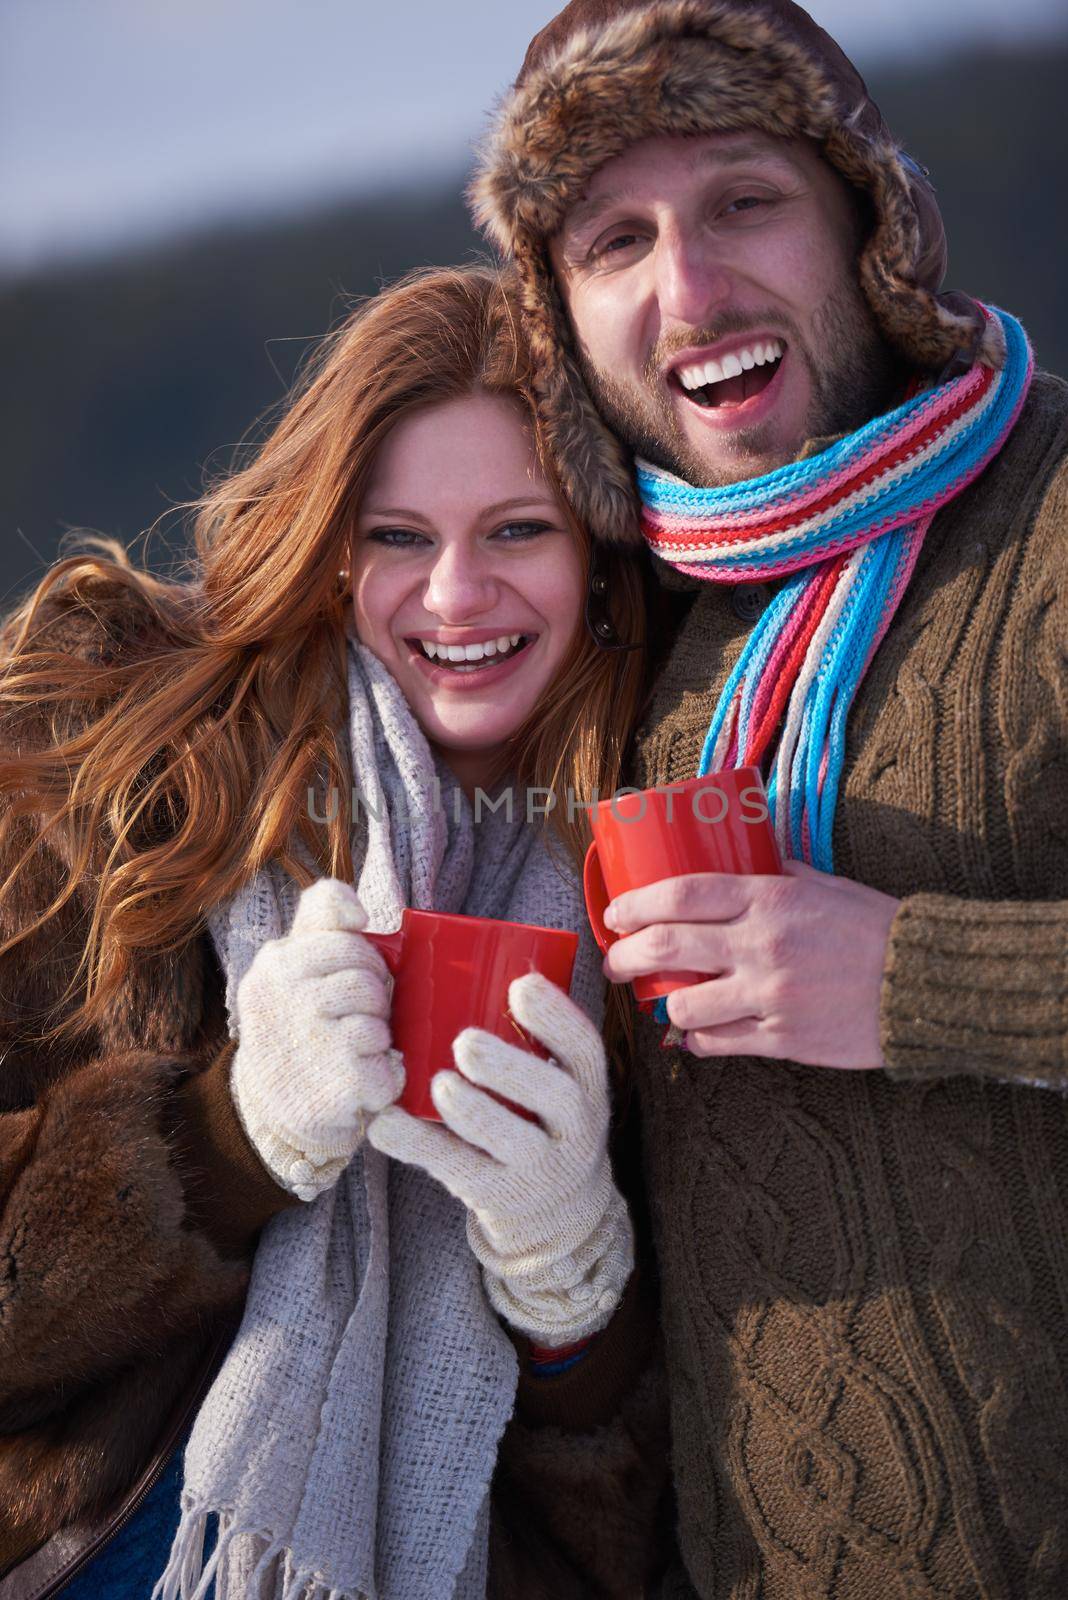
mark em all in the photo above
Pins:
pixel 599 623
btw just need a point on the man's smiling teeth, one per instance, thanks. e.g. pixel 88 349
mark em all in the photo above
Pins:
pixel 732 365
pixel 469 652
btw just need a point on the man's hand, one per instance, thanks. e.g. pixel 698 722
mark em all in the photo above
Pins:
pixel 795 963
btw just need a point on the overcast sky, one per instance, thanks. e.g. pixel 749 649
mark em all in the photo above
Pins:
pixel 119 118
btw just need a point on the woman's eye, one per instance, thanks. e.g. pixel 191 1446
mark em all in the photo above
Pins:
pixel 398 538
pixel 519 531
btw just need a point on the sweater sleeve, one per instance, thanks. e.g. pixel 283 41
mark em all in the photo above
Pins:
pixel 978 988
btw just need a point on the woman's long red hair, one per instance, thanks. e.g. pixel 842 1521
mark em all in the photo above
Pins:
pixel 174 759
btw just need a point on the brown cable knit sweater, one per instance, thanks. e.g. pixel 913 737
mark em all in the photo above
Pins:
pixel 865 1275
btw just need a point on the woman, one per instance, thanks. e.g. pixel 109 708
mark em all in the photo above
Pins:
pixel 183 754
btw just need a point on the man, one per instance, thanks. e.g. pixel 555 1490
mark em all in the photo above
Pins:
pixel 857 1151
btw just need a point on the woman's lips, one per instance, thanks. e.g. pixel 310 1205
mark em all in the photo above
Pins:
pixel 479 674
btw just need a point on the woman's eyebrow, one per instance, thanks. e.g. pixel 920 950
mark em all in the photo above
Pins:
pixel 513 505
pixel 483 511
pixel 394 511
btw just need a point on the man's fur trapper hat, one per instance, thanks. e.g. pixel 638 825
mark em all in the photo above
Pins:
pixel 605 74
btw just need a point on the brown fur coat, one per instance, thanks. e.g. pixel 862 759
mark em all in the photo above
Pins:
pixel 130 1199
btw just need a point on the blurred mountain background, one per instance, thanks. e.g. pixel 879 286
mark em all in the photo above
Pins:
pixel 132 369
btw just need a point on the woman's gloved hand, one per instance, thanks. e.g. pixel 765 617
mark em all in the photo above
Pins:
pixel 544 1216
pixel 314 1059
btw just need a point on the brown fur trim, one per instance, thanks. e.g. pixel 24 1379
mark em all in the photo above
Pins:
pixel 680 67
pixel 688 67
pixel 911 316
pixel 95 1263
pixel 594 467
pixel 76 1464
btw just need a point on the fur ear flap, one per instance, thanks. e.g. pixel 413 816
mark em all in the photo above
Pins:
pixel 929 329
pixel 593 466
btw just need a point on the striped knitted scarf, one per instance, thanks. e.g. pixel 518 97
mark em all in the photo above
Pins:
pixel 844 529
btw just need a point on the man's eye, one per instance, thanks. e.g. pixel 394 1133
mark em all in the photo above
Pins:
pixel 614 244
pixel 746 202
pixel 398 538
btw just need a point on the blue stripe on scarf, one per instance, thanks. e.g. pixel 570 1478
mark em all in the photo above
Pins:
pixel 933 480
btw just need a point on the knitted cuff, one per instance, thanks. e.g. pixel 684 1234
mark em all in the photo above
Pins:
pixel 303 1174
pixel 573 1296
pixel 977 987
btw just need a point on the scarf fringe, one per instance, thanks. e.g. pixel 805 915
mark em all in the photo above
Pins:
pixel 188 1576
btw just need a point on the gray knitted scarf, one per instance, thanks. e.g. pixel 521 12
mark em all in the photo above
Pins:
pixel 346 1447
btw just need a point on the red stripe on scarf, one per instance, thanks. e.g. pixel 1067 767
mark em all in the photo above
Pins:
pixel 781 519
pixel 769 722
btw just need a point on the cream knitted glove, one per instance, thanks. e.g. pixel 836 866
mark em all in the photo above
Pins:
pixel 313 1056
pixel 544 1217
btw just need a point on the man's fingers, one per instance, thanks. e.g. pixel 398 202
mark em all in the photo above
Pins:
pixel 802 871
pixel 329 905
pixel 716 1004
pixel 746 1037
pixel 671 947
pixel 695 897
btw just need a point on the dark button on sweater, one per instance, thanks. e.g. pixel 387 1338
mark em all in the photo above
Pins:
pixel 749 600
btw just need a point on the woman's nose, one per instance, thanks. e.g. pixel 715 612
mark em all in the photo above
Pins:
pixel 461 584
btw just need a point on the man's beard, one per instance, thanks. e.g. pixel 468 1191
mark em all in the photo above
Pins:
pixel 853 384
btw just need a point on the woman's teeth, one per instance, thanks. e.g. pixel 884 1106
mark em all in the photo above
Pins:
pixel 468 657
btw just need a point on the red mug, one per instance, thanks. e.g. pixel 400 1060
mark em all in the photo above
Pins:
pixel 452 973
pixel 719 823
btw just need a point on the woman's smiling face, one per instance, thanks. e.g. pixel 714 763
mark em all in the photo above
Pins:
pixel 467 581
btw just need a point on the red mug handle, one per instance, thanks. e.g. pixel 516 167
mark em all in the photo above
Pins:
pixel 389 947
pixel 595 892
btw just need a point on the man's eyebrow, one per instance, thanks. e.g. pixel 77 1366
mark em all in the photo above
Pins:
pixel 587 211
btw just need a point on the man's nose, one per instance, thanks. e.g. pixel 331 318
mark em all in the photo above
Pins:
pixel 692 281
pixel 461 584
